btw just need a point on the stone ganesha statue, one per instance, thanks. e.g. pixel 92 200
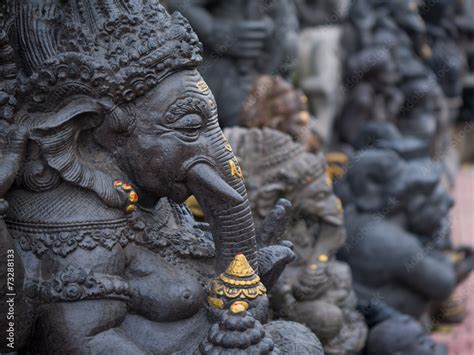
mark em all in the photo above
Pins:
pixel 117 128
pixel 397 231
pixel 392 332
pixel 371 76
pixel 385 43
pixel 317 289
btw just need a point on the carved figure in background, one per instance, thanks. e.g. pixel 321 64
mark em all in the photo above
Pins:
pixel 447 59
pixel 464 13
pixel 374 95
pixel 386 136
pixel 275 103
pixel 397 227
pixel 422 110
pixel 317 289
pixel 402 335
pixel 314 13
pixel 320 58
pixel 122 129
pixel 465 26
pixel 242 39
pixel 394 333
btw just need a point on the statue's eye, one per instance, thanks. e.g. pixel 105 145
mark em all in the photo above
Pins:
pixel 189 124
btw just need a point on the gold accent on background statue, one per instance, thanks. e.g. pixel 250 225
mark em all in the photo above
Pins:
pixel 337 164
pixel 323 258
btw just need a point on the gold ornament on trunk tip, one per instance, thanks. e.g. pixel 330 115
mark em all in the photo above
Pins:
pixel 238 281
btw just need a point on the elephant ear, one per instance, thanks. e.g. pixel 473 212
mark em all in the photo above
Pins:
pixel 58 136
pixel 373 177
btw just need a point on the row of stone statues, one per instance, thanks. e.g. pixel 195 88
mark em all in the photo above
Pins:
pixel 111 116
pixel 396 70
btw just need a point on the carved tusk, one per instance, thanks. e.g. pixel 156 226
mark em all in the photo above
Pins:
pixel 202 177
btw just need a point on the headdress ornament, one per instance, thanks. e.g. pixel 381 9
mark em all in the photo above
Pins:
pixel 103 49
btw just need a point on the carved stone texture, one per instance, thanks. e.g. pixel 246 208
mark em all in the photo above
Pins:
pixel 317 289
pixel 121 130
pixel 242 39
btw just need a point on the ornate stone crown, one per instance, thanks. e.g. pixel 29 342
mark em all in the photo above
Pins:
pixel 115 49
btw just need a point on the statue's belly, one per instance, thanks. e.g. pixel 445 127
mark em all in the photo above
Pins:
pixel 165 338
pixel 162 292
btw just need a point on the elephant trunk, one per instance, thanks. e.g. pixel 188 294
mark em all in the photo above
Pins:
pixel 222 195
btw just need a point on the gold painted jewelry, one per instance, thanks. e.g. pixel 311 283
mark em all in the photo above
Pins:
pixel 239 307
pixel 132 195
pixel 336 164
pixel 227 145
pixel 304 117
pixel 426 51
pixel 202 86
pixel 323 258
pixel 339 206
pixel 235 169
pixel 215 302
pixel 238 284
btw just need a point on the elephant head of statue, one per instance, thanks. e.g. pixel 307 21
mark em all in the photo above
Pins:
pixel 115 95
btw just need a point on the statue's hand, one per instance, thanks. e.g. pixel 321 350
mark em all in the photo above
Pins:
pixel 13 154
pixel 275 224
pixel 274 258
pixel 245 39
pixel 251 37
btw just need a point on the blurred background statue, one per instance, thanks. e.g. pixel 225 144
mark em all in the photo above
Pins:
pixel 317 289
pixel 242 39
